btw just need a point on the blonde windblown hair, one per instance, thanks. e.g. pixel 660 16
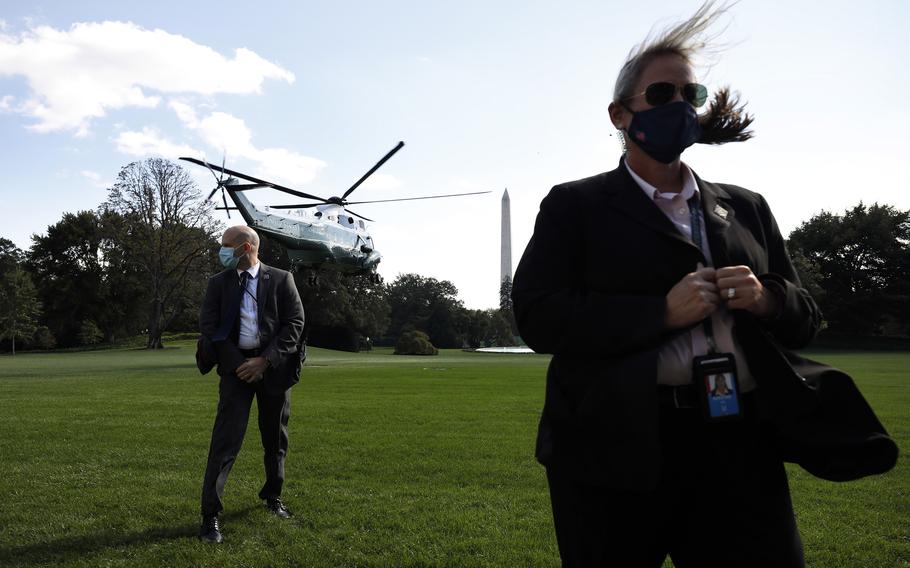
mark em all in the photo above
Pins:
pixel 725 119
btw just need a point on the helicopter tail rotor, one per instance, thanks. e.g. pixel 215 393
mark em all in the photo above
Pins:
pixel 219 184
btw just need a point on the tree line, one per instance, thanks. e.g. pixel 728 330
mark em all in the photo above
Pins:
pixel 138 265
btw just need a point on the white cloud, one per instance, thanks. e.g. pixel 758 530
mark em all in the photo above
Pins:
pixel 79 74
pixel 230 135
pixel 225 132
pixel 185 113
pixel 150 142
pixel 95 178
pixel 284 165
pixel 6 103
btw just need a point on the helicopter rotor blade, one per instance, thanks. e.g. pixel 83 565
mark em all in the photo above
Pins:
pixel 298 206
pixel 257 180
pixel 217 179
pixel 246 186
pixel 226 208
pixel 416 198
pixel 356 215
pixel 306 205
pixel 385 158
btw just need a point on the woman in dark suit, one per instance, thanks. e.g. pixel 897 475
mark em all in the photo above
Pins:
pixel 631 275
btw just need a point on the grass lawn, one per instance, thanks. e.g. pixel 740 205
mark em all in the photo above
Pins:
pixel 394 461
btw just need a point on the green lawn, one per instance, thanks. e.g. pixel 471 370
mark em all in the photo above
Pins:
pixel 394 461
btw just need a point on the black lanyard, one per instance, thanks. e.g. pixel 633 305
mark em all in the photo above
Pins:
pixel 245 278
pixel 695 217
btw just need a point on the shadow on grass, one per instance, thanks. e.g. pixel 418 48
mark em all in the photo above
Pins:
pixel 82 545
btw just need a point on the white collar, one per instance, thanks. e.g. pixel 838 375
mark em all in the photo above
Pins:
pixel 690 188
pixel 253 270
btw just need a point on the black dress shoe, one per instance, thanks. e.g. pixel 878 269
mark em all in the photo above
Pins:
pixel 277 508
pixel 210 531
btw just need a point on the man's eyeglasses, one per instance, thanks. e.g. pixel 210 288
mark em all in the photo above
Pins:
pixel 658 94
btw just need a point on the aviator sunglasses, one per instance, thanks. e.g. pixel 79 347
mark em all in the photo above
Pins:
pixel 661 93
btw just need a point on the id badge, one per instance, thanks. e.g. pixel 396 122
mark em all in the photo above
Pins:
pixel 715 377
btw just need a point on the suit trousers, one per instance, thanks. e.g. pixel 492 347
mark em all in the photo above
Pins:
pixel 722 501
pixel 234 403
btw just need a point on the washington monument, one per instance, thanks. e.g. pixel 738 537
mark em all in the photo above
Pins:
pixel 505 263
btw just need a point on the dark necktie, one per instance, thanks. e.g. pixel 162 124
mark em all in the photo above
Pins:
pixel 244 278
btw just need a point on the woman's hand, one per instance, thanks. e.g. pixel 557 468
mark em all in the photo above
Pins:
pixel 742 290
pixel 692 299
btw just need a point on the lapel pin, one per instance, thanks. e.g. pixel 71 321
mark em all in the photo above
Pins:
pixel 266 275
pixel 720 212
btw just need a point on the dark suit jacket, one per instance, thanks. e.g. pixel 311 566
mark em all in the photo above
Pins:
pixel 591 289
pixel 281 321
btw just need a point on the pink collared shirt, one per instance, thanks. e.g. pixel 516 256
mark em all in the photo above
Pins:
pixel 674 363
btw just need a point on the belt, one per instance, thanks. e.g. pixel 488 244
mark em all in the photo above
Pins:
pixel 678 396
pixel 251 352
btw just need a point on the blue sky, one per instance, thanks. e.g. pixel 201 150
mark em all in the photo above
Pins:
pixel 486 95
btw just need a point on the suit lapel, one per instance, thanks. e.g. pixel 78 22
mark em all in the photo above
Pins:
pixel 630 198
pixel 230 304
pixel 718 215
pixel 231 287
pixel 263 289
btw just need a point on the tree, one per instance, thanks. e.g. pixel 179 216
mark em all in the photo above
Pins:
pixel 501 333
pixel 505 306
pixel 19 306
pixel 861 260
pixel 10 256
pixel 89 333
pixel 477 332
pixel 43 338
pixel 336 301
pixel 166 230
pixel 505 294
pixel 345 301
pixel 427 305
pixel 81 273
pixel 488 328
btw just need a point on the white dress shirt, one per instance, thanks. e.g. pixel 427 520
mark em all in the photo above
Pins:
pixel 249 311
pixel 674 364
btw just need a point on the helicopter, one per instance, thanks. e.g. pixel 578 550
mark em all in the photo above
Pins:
pixel 328 239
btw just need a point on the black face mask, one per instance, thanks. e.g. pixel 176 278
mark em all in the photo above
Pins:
pixel 663 132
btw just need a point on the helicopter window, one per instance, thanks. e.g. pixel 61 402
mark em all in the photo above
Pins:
pixel 350 220
pixel 319 214
pixel 360 224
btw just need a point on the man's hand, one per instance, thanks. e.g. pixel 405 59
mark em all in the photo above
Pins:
pixel 692 299
pixel 252 370
pixel 748 292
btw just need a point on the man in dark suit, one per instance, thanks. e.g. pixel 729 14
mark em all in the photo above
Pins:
pixel 252 327
pixel 630 276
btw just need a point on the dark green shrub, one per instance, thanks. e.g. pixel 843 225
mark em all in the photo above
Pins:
pixel 415 343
